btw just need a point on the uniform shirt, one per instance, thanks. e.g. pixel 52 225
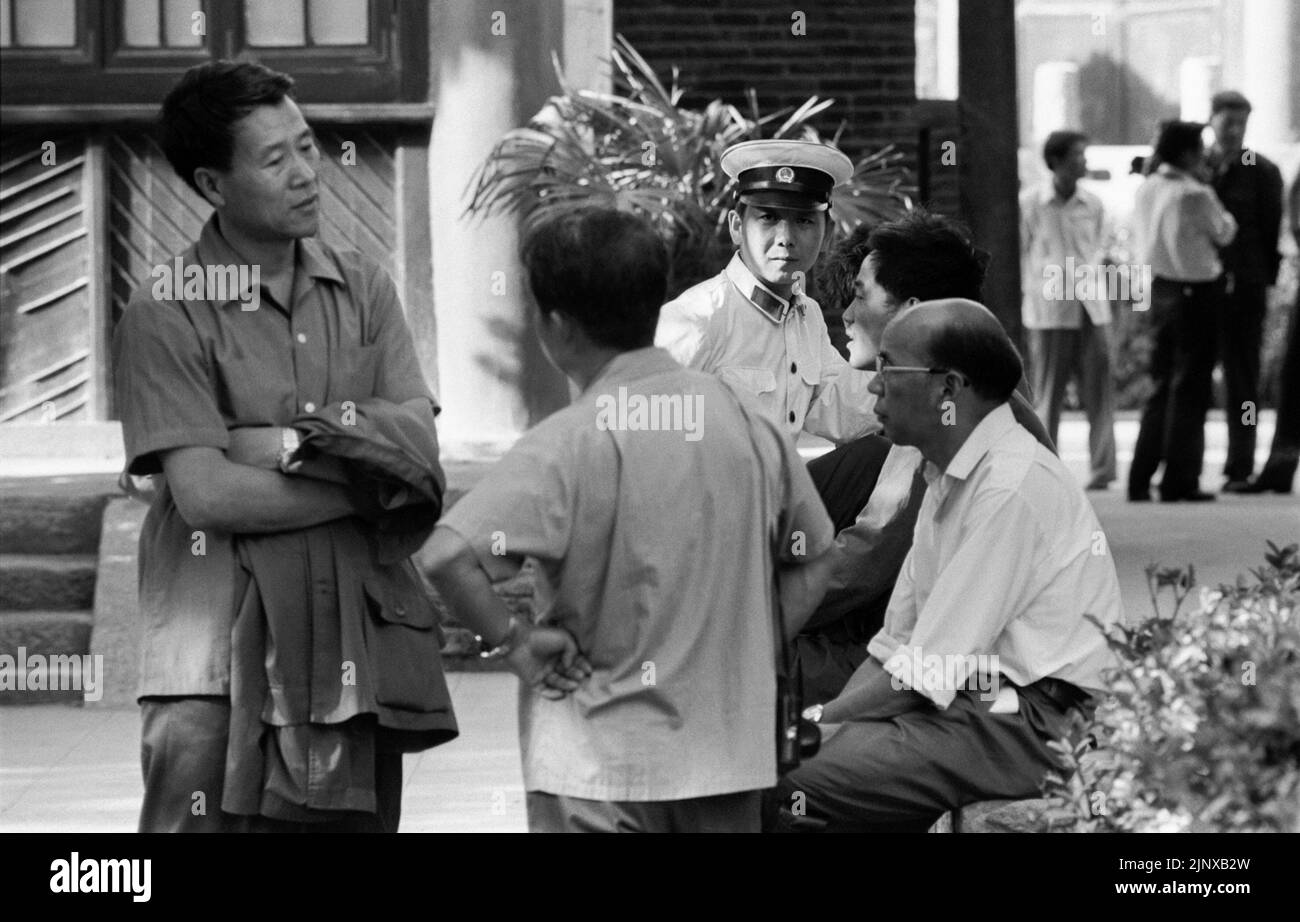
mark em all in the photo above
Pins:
pixel 1007 559
pixel 1252 193
pixel 660 553
pixel 1178 226
pixel 188 371
pixel 1051 231
pixel 733 326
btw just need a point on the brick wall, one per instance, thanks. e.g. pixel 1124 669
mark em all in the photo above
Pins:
pixel 862 54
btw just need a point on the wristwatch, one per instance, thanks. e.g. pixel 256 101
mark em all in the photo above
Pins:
pixel 514 633
pixel 289 442
pixel 813 713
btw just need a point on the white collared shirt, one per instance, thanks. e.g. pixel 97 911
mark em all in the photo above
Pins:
pixel 1178 226
pixel 1063 236
pixel 1008 559
pixel 780 353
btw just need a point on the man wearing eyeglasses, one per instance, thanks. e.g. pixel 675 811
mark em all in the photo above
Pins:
pixel 986 647
pixel 873 488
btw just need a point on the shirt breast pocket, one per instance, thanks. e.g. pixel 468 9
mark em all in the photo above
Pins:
pixel 760 382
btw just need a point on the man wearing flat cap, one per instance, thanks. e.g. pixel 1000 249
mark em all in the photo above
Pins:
pixel 753 325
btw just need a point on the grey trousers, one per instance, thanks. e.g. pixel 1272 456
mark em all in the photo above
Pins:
pixel 183 758
pixel 739 812
pixel 903 773
pixel 1058 355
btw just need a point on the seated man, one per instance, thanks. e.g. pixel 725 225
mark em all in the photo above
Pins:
pixel 986 646
pixel 872 488
pixel 674 521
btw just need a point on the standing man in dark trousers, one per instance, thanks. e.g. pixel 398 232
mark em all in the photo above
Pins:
pixel 213 386
pixel 1284 456
pixel 1179 224
pixel 1250 187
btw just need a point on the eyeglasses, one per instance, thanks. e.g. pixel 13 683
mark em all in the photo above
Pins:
pixel 881 368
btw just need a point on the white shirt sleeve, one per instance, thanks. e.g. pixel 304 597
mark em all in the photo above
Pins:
pixel 683 334
pixel 1219 221
pixel 970 604
pixel 842 409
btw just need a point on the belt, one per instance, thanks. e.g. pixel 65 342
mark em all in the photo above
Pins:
pixel 1064 695
pixel 1161 280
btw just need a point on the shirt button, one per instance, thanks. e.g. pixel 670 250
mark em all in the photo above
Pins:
pixel 309 407
pixel 792 416
pixel 302 337
pixel 793 368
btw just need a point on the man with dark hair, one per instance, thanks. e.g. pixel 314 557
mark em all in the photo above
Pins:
pixel 871 487
pixel 290 656
pixel 1250 187
pixel 986 648
pixel 675 525
pixel 832 281
pixel 1179 226
pixel 615 291
pixel 1063 234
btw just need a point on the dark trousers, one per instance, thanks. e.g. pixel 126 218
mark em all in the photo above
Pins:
pixel 183 756
pixel 1182 365
pixel 824 658
pixel 1284 455
pixel 1240 317
pixel 739 812
pixel 901 774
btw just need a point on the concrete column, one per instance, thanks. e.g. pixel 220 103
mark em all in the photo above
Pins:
pixel 1267 32
pixel 491 71
pixel 1198 81
pixel 1056 99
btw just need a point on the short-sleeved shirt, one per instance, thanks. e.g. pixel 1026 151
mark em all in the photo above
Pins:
pixel 188 371
pixel 1064 236
pixel 1007 561
pixel 659 547
pixel 776 349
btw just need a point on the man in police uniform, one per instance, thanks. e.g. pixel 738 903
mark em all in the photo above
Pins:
pixel 752 324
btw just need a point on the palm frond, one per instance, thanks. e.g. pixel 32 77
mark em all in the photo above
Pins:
pixel 638 149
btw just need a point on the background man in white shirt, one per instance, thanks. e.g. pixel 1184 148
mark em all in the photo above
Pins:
pixel 1179 225
pixel 986 646
pixel 1068 336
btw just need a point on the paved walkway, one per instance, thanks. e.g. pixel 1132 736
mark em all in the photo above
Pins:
pixel 70 769
pixel 67 769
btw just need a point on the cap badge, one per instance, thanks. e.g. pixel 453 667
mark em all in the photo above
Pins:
pixel 785 174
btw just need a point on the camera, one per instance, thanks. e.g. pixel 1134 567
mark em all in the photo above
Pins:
pixel 797 737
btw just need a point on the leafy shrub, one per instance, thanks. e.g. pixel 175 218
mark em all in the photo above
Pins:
pixel 638 149
pixel 1202 730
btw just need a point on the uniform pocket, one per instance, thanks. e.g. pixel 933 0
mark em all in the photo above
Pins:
pixel 759 382
pixel 403 644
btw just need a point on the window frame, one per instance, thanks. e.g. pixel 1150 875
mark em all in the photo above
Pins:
pixel 102 71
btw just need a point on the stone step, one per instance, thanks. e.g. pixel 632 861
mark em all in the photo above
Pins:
pixel 52 582
pixel 26 634
pixel 50 523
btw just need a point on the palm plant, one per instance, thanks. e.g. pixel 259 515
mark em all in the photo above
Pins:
pixel 639 150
